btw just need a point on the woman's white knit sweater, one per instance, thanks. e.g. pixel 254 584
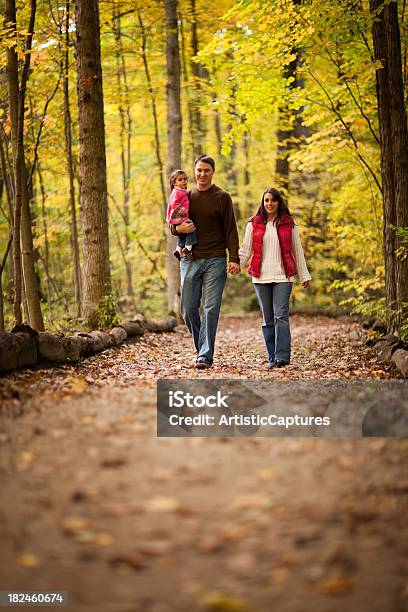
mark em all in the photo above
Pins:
pixel 272 270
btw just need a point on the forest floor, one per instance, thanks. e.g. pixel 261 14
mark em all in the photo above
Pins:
pixel 93 503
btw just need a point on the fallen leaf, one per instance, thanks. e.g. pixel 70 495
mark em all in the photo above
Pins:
pixel 216 601
pixel 114 462
pixel 161 504
pixel 133 559
pixel 73 524
pixel 103 539
pixel 87 420
pixel 27 559
pixel 76 385
pixel 264 473
pixel 336 585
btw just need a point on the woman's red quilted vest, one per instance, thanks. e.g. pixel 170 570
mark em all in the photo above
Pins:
pixel 284 231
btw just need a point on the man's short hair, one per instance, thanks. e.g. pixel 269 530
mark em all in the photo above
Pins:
pixel 206 159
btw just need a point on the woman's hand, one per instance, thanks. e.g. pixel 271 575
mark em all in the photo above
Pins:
pixel 306 285
pixel 187 227
pixel 233 268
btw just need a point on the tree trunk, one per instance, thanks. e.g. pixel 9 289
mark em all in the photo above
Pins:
pixel 287 128
pixel 22 232
pixel 399 137
pixel 97 299
pixel 159 159
pixel 12 82
pixel 46 258
pixel 174 138
pixel 76 262
pixel 125 141
pixel 394 152
pixel 198 71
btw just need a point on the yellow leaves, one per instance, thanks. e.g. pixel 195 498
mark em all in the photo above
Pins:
pixel 255 500
pixel 25 460
pixel 87 420
pixel 216 601
pixel 82 531
pixel 161 504
pixel 26 457
pixel 336 585
pixel 75 385
pixel 264 473
pixel 103 539
pixel 28 559
pixel 72 525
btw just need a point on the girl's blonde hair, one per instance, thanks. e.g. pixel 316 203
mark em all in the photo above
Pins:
pixel 174 175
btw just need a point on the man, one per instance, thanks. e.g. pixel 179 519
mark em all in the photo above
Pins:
pixel 203 277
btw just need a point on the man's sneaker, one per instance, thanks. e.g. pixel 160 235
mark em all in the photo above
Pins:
pixel 202 363
pixel 280 363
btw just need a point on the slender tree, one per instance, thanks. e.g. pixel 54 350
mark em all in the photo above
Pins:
pixel 174 128
pixel 23 251
pixel 125 139
pixel 70 168
pixel 153 104
pixel 199 72
pixel 97 299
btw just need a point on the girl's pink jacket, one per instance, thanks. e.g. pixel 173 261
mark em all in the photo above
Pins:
pixel 177 208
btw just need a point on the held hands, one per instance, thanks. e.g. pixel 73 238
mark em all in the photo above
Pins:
pixel 233 268
pixel 187 227
pixel 306 285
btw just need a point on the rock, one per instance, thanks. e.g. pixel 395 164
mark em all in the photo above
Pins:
pixel 102 340
pixel 390 339
pixel 133 328
pixel 379 327
pixel 57 347
pixel 85 343
pixel 24 329
pixel 17 350
pixel 118 335
pixel 400 360
pixel 386 352
pixel 368 323
pixel 162 326
pixel 386 346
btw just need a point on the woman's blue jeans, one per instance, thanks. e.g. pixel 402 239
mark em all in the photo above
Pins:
pixel 273 300
pixel 202 284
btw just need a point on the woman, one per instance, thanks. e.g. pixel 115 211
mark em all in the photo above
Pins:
pixel 272 245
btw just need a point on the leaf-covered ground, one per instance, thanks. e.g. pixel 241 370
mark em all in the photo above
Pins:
pixel 95 504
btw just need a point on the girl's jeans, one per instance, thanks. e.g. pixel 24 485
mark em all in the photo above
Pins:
pixel 186 240
pixel 273 300
pixel 202 284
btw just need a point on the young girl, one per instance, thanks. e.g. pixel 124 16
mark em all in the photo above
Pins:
pixel 177 212
pixel 273 247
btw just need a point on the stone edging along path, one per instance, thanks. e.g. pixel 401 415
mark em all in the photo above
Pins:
pixel 388 348
pixel 25 347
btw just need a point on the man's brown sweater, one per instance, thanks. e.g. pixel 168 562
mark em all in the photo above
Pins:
pixel 213 216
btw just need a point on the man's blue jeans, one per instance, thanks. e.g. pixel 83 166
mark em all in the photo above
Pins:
pixel 202 284
pixel 273 300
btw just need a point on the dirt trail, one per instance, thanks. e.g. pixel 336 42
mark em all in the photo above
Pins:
pixel 94 504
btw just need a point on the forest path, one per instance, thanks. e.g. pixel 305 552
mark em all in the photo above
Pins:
pixel 95 504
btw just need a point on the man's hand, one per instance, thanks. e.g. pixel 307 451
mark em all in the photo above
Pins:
pixel 306 284
pixel 187 227
pixel 233 268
